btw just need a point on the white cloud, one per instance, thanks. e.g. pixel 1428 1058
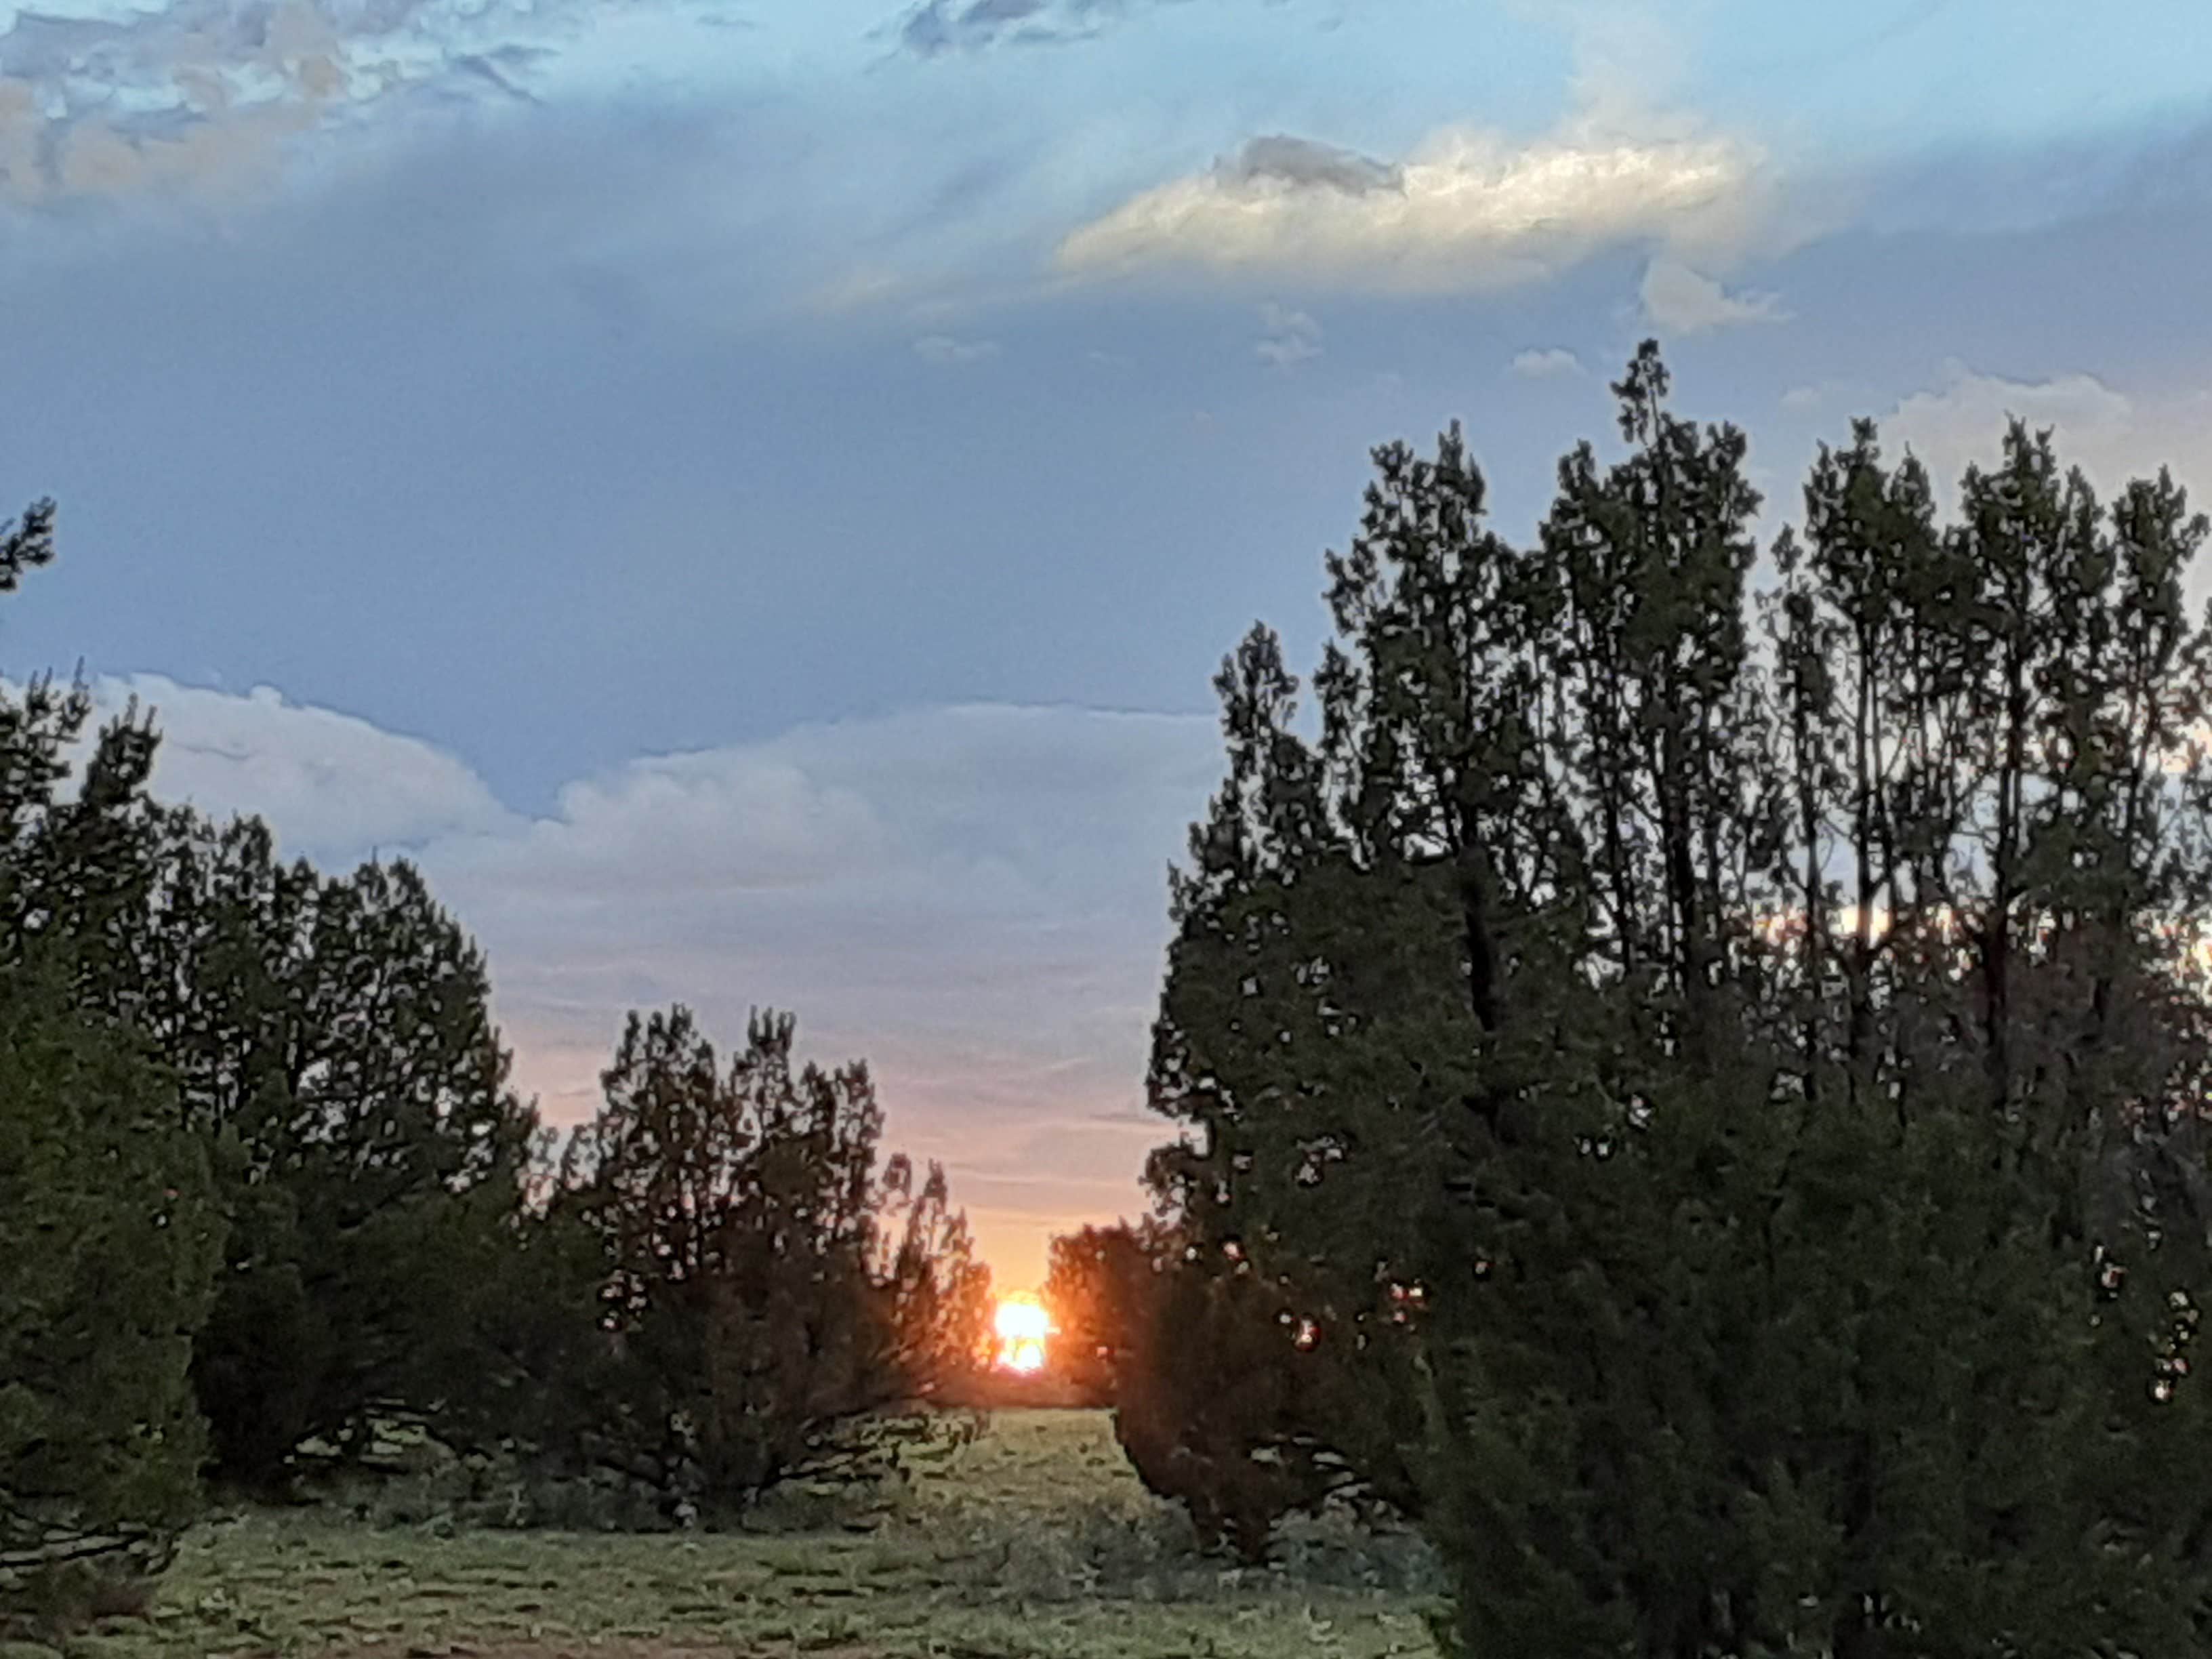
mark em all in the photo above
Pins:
pixel 2113 437
pixel 1963 421
pixel 1467 210
pixel 974 898
pixel 944 349
pixel 1681 300
pixel 334 786
pixel 1800 398
pixel 1546 363
pixel 1291 337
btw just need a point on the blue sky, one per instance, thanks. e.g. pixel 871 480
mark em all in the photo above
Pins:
pixel 752 494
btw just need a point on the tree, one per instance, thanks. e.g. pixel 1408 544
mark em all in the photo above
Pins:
pixel 764 1290
pixel 1098 1293
pixel 111 1239
pixel 1766 1032
pixel 332 1040
pixel 1235 1402
pixel 109 1236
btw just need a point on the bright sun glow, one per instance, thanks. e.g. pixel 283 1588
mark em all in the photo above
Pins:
pixel 1022 1328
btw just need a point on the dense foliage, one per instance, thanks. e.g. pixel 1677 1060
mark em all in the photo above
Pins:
pixel 333 1042
pixel 1760 1032
pixel 1229 1394
pixel 728 1288
pixel 1097 1292
pixel 109 1236
pixel 266 1193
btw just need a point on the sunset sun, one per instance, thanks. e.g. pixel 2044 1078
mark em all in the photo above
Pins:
pixel 1022 1327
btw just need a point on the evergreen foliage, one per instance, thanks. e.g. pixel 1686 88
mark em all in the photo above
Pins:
pixel 1763 1033
pixel 332 1041
pixel 728 1289
pixel 109 1235
pixel 1229 1394
pixel 1097 1290
pixel 266 1190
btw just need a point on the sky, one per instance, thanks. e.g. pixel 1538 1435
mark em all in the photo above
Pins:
pixel 751 494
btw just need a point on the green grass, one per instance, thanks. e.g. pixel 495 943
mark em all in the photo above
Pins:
pixel 1035 1541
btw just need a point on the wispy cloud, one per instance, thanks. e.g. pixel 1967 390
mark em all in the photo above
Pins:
pixel 935 28
pixel 1678 299
pixel 946 349
pixel 1292 336
pixel 203 96
pixel 1546 363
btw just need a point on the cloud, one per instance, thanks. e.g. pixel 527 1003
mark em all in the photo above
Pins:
pixel 1304 163
pixel 1963 421
pixel 1292 337
pixel 203 96
pixel 1467 210
pixel 944 349
pixel 935 28
pixel 972 898
pixel 1546 363
pixel 1680 300
pixel 336 787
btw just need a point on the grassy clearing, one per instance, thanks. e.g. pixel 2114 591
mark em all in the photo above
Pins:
pixel 1035 1541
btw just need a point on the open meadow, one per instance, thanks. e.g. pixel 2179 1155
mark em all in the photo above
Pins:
pixel 1036 1538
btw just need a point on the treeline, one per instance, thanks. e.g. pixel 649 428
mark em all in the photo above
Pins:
pixel 1693 1072
pixel 266 1192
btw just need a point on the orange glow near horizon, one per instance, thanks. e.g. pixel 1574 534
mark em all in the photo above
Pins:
pixel 1022 1326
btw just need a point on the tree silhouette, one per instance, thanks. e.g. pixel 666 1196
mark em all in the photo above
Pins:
pixel 1763 1031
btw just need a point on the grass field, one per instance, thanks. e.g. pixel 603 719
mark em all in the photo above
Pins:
pixel 1034 1541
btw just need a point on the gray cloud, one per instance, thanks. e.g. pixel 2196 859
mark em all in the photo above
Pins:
pixel 202 94
pixel 1680 300
pixel 935 28
pixel 1307 162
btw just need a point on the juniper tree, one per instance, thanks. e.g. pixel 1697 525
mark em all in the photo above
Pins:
pixel 763 1285
pixel 1097 1289
pixel 333 1044
pixel 1778 1078
pixel 111 1241
pixel 109 1236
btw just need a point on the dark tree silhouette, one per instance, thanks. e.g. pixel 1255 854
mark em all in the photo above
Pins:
pixel 1765 1034
pixel 760 1289
pixel 109 1236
